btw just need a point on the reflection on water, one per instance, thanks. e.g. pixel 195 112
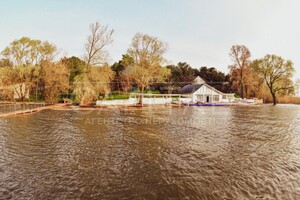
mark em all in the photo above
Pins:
pixel 180 153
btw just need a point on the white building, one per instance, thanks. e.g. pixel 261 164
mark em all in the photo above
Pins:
pixel 199 91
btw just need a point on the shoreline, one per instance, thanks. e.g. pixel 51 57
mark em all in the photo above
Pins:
pixel 70 107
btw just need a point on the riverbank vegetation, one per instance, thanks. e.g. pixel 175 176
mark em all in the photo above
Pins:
pixel 32 69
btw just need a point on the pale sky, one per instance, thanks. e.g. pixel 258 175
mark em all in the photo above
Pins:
pixel 198 32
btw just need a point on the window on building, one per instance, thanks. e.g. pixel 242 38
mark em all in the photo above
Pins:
pixel 216 97
pixel 200 97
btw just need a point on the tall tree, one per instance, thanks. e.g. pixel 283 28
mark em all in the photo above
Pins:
pixel 97 76
pixel 148 55
pixel 276 72
pixel 26 51
pixel 95 52
pixel 240 56
pixel 26 55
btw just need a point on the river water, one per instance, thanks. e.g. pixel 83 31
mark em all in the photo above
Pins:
pixel 158 153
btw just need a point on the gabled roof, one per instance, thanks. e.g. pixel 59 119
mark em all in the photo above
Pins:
pixel 189 89
pixel 199 80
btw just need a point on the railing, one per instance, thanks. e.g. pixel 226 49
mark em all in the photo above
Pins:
pixel 8 108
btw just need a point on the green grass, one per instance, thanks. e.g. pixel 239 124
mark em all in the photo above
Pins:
pixel 117 97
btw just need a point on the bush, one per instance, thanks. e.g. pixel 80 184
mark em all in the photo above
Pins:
pixel 236 96
pixel 289 100
pixel 117 96
pixel 153 92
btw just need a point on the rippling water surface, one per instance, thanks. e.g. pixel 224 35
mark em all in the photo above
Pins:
pixel 162 153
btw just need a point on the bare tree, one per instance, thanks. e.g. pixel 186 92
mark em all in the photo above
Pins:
pixel 240 55
pixel 101 36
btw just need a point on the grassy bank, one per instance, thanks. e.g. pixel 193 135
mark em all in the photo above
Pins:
pixel 289 100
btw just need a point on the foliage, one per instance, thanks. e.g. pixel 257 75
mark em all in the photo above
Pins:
pixel 181 74
pixel 276 72
pixel 147 91
pixel 25 78
pixel 240 68
pixel 75 65
pixel 5 63
pixel 236 96
pixel 148 56
pixel 6 74
pixel 56 80
pixel 88 86
pixel 120 81
pixel 214 78
pixel 117 96
pixel 26 51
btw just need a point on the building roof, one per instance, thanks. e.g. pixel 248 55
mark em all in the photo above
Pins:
pixel 198 80
pixel 189 89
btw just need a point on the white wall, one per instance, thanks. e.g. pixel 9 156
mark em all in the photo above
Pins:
pixel 134 101
pixel 204 90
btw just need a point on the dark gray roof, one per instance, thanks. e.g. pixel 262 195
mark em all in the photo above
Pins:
pixel 189 89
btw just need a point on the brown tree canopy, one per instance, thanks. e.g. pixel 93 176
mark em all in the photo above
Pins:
pixel 148 55
pixel 56 80
pixel 240 56
pixel 26 51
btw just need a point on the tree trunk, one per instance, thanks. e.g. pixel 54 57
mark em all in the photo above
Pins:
pixel 274 98
pixel 141 96
pixel 242 90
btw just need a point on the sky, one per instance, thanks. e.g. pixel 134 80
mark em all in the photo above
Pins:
pixel 199 32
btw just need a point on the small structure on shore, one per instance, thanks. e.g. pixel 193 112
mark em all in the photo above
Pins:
pixel 14 91
pixel 200 91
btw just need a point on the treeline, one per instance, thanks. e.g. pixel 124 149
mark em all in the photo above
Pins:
pixel 31 67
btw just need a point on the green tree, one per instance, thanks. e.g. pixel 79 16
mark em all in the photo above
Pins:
pixel 120 81
pixel 75 65
pixel 148 56
pixel 276 72
pixel 182 73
